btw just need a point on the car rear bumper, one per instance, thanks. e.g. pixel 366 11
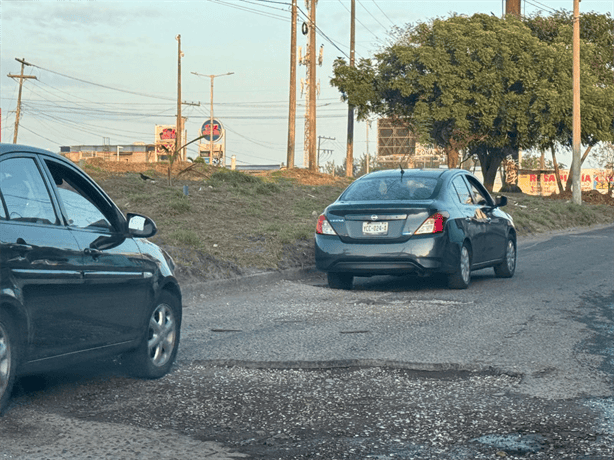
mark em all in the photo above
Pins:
pixel 421 255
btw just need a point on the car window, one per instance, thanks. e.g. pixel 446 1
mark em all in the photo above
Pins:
pixel 391 189
pixel 480 196
pixel 81 201
pixel 24 192
pixel 462 192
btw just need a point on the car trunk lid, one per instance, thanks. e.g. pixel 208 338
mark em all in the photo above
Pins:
pixel 378 222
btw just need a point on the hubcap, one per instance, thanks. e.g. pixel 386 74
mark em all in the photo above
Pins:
pixel 161 341
pixel 5 361
pixel 464 265
pixel 511 256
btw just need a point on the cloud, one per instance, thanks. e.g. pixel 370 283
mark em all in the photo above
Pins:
pixel 65 16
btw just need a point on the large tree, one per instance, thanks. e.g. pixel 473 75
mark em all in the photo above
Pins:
pixel 597 80
pixel 482 84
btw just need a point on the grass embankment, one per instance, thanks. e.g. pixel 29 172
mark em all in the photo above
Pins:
pixel 233 221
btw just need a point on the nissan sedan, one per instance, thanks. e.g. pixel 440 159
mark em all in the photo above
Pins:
pixel 78 279
pixel 397 222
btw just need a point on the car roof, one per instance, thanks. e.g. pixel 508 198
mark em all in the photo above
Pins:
pixel 12 148
pixel 434 173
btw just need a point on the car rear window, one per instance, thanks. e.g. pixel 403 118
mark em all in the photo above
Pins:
pixel 391 189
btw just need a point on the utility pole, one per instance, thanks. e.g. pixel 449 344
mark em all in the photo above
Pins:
pixel 179 125
pixel 21 77
pixel 576 166
pixel 211 111
pixel 368 160
pixel 312 85
pixel 349 162
pixel 292 108
pixel 512 7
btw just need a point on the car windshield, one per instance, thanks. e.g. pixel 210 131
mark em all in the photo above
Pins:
pixel 391 189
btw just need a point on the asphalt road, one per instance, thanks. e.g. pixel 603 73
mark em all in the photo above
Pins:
pixel 396 368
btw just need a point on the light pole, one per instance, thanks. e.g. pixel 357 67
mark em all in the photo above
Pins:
pixel 211 112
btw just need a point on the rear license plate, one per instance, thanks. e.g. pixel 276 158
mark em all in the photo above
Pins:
pixel 375 228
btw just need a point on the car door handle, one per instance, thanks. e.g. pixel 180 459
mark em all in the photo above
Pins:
pixel 95 253
pixel 20 247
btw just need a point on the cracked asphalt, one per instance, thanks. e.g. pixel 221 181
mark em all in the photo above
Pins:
pixel 397 368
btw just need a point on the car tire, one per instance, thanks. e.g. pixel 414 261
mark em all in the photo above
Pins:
pixel 507 268
pixel 461 277
pixel 340 280
pixel 8 358
pixel 155 355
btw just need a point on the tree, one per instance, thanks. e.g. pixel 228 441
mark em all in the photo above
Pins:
pixel 481 84
pixel 597 80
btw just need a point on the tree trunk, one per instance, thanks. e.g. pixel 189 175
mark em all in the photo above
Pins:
pixel 569 179
pixel 452 157
pixel 556 170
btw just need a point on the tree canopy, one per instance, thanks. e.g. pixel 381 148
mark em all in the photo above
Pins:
pixel 482 84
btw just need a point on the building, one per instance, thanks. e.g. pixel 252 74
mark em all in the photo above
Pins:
pixel 397 145
pixel 135 153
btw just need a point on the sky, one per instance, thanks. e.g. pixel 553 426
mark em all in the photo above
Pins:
pixel 106 71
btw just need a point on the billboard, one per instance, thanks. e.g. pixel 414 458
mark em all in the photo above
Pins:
pixel 545 183
pixel 218 130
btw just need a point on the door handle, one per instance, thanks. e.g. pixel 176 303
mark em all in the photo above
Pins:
pixel 94 253
pixel 20 247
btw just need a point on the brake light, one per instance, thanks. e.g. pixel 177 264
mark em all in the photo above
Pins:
pixel 324 227
pixel 433 224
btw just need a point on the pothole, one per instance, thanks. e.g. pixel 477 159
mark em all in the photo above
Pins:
pixel 517 444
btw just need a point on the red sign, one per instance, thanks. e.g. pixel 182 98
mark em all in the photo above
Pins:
pixel 217 130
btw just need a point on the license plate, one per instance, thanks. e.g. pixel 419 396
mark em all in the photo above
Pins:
pixel 375 228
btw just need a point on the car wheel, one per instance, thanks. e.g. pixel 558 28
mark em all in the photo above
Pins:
pixel 8 361
pixel 461 278
pixel 155 355
pixel 340 280
pixel 507 268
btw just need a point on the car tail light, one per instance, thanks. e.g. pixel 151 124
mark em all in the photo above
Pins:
pixel 433 224
pixel 324 227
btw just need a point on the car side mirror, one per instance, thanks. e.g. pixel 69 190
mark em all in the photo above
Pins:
pixel 141 226
pixel 500 201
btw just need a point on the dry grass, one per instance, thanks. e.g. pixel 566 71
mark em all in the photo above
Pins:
pixel 233 222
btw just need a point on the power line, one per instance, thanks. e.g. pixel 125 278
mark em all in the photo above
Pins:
pixel 379 8
pixel 103 86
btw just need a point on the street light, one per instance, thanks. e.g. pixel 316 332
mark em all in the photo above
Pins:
pixel 211 111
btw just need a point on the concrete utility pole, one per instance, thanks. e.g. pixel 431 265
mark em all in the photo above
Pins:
pixel 576 166
pixel 211 111
pixel 21 77
pixel 349 162
pixel 312 85
pixel 512 7
pixel 368 159
pixel 179 126
pixel 292 108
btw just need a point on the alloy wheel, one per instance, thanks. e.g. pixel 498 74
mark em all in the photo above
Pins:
pixel 465 265
pixel 162 335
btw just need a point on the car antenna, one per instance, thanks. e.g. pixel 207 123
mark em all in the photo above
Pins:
pixel 402 171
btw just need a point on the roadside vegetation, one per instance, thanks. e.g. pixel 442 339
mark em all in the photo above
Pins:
pixel 231 223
